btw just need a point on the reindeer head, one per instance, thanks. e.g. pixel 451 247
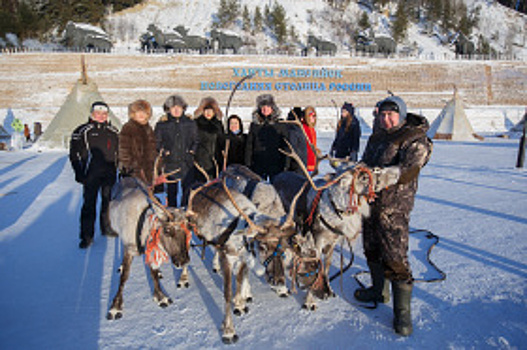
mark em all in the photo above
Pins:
pixel 273 239
pixel 175 234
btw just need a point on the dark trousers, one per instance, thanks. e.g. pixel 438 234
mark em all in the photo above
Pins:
pixel 91 189
pixel 172 190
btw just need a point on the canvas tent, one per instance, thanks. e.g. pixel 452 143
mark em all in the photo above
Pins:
pixel 452 123
pixel 5 138
pixel 74 112
pixel 519 126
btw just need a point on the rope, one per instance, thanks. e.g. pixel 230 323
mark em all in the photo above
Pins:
pixel 421 280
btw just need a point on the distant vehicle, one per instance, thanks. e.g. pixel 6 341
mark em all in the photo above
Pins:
pixel 384 45
pixel 86 37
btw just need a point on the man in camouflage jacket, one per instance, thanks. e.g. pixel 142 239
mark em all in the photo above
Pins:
pixel 399 138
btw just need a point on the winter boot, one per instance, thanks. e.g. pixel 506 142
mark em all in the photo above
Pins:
pixel 402 297
pixel 379 291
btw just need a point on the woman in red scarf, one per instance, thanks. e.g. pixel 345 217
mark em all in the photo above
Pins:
pixel 309 121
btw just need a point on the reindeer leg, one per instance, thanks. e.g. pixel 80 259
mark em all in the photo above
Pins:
pixel 160 298
pixel 183 279
pixel 243 290
pixel 310 302
pixel 116 310
pixel 229 334
pixel 216 262
pixel 327 264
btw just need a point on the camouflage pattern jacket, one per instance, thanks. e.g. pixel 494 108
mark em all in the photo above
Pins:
pixel 408 147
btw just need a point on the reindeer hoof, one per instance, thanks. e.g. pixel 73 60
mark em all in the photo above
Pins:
pixel 229 340
pixel 114 315
pixel 183 284
pixel 312 307
pixel 283 295
pixel 249 300
pixel 239 312
pixel 214 270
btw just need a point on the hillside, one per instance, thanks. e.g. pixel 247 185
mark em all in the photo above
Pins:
pixel 504 28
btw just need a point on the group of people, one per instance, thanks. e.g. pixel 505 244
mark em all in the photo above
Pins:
pixel 98 152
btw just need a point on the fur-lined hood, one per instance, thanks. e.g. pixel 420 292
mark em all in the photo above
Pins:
pixel 209 102
pixel 265 100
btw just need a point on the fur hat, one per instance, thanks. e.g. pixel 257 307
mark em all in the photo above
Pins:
pixel 174 100
pixel 349 107
pixel 209 102
pixel 266 100
pixel 396 104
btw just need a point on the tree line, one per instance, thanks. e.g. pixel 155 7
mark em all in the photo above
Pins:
pixel 36 18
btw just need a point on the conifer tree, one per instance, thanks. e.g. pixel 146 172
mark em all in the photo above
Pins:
pixel 246 18
pixel 258 20
pixel 400 25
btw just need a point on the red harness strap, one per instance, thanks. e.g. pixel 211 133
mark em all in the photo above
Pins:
pixel 314 206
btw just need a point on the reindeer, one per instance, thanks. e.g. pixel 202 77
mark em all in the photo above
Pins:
pixel 215 212
pixel 333 208
pixel 145 226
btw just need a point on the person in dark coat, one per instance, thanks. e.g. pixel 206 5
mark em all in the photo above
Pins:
pixel 211 138
pixel 400 139
pixel 266 136
pixel 137 143
pixel 347 140
pixel 297 139
pixel 93 156
pixel 177 135
pixel 237 140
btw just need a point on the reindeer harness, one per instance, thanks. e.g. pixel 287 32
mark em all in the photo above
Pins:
pixel 353 204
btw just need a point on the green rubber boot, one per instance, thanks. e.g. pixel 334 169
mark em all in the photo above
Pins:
pixel 402 297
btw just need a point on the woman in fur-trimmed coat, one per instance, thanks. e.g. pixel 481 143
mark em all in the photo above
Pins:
pixel 266 136
pixel 137 143
pixel 211 137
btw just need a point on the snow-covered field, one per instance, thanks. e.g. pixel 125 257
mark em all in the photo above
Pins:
pixel 55 296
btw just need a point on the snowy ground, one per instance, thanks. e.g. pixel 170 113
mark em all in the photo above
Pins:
pixel 55 296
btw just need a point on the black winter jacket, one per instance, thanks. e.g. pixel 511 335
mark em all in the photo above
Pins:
pixel 236 148
pixel 347 142
pixel 93 150
pixel 211 144
pixel 178 136
pixel 265 138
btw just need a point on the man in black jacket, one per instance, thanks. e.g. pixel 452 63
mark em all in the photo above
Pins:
pixel 93 156
pixel 177 136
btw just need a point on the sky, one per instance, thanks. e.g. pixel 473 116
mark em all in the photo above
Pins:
pixel 54 295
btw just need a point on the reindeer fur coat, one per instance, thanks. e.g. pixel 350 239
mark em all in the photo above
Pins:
pixel 137 151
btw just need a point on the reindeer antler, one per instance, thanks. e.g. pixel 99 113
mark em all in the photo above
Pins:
pixel 311 145
pixel 296 157
pixel 246 217
pixel 163 174
pixel 289 221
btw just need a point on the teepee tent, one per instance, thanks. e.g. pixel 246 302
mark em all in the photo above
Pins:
pixel 452 123
pixel 74 112
pixel 519 126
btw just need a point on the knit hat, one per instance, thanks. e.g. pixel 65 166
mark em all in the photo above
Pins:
pixel 99 106
pixel 174 100
pixel 349 107
pixel 396 104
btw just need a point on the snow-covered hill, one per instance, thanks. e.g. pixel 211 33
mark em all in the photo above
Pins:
pixel 503 28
